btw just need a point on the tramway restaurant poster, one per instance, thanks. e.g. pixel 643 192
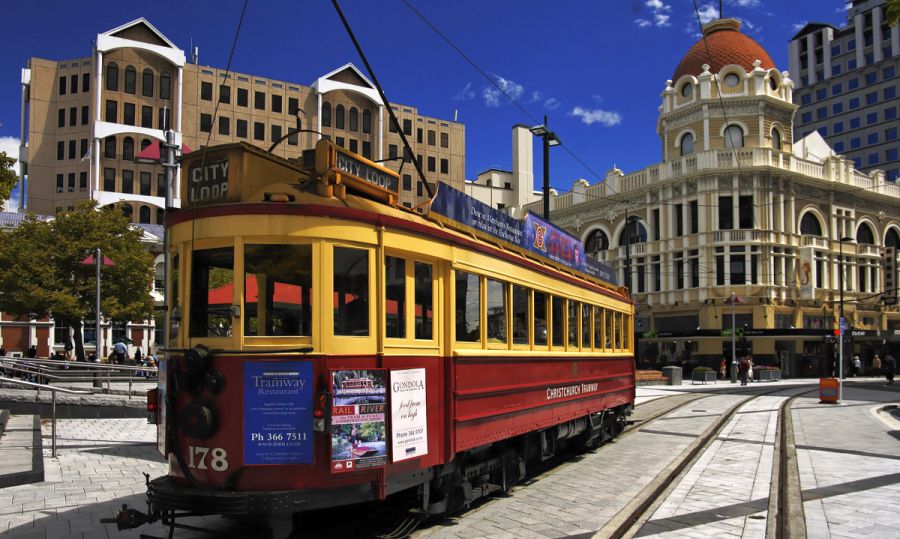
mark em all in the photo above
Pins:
pixel 533 234
pixel 278 419
pixel 358 420
pixel 409 426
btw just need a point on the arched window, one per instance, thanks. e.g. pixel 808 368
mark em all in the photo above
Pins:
pixel 339 117
pixel 734 136
pixel 128 149
pixel 864 235
pixel 130 80
pixel 732 80
pixel 773 84
pixel 892 238
pixel 809 225
pixel 687 90
pixel 160 216
pixel 145 214
pixel 127 210
pixel 165 85
pixel 112 77
pixel 144 143
pixel 633 232
pixel 596 241
pixel 109 147
pixel 776 140
pixel 354 119
pixel 687 144
pixel 367 121
pixel 326 114
pixel 147 83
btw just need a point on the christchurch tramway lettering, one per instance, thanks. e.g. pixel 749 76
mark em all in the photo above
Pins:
pixel 575 390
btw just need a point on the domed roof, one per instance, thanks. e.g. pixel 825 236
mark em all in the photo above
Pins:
pixel 726 46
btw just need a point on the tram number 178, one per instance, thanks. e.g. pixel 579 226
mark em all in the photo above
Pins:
pixel 199 457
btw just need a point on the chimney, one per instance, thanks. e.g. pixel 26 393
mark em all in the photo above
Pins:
pixel 522 164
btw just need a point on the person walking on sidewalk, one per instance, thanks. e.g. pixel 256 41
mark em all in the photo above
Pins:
pixel 889 365
pixel 743 369
pixel 857 366
pixel 876 365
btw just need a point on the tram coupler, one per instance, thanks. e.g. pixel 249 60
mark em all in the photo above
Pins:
pixel 128 518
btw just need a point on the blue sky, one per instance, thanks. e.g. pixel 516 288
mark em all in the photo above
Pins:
pixel 596 68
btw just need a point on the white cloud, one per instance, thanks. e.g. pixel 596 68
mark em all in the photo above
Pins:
pixel 658 17
pixel 745 3
pixel 708 12
pixel 535 97
pixel 656 5
pixel 593 116
pixel 492 95
pixel 466 93
pixel 552 104
pixel 661 19
pixel 799 25
pixel 643 23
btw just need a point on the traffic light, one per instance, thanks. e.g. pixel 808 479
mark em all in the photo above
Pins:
pixel 890 276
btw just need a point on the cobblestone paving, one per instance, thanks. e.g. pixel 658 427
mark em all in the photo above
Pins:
pixel 849 466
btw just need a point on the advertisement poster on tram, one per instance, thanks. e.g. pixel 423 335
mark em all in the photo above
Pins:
pixel 409 426
pixel 358 420
pixel 278 402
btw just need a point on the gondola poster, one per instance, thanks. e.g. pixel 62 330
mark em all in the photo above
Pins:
pixel 409 426
pixel 278 398
pixel 358 420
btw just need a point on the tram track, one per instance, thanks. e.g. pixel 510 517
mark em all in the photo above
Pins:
pixel 785 506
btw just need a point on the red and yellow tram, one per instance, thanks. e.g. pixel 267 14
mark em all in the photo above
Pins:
pixel 337 348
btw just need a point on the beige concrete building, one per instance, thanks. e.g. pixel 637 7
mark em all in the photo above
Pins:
pixel 85 120
pixel 738 209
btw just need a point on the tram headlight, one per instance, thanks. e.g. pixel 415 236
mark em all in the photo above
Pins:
pixel 198 419
pixel 196 359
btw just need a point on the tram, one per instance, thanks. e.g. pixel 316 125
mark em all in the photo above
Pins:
pixel 330 347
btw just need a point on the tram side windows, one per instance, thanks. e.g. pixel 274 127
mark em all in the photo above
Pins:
pixel 424 290
pixel 176 303
pixel 351 291
pixel 573 325
pixel 496 311
pixel 618 330
pixel 558 320
pixel 212 277
pixel 395 288
pixel 520 315
pixel 468 307
pixel 598 328
pixel 540 319
pixel 585 327
pixel 609 335
pixel 626 331
pixel 277 290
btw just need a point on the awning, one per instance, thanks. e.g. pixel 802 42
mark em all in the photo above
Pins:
pixel 152 152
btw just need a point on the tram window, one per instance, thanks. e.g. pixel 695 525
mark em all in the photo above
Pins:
pixel 496 311
pixel 520 315
pixel 424 300
pixel 351 291
pixel 277 290
pixel 573 324
pixel 585 326
pixel 558 320
pixel 540 318
pixel 176 320
pixel 619 330
pixel 609 330
pixel 211 279
pixel 598 328
pixel 395 288
pixel 468 307
pixel 626 331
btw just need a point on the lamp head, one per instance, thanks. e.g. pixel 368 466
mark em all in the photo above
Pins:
pixel 539 130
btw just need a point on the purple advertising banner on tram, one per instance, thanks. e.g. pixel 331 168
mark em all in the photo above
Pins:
pixel 533 234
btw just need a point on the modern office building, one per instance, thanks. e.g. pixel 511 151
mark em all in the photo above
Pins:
pixel 85 120
pixel 847 85
pixel 741 221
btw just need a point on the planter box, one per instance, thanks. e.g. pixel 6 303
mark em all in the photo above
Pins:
pixel 766 375
pixel 703 376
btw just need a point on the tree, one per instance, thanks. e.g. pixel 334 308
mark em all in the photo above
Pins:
pixel 8 177
pixel 41 270
pixel 892 12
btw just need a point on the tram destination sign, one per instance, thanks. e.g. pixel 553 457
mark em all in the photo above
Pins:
pixel 533 234
pixel 355 171
pixel 208 182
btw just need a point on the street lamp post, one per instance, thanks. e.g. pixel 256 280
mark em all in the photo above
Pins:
pixel 549 139
pixel 734 299
pixel 630 220
pixel 841 324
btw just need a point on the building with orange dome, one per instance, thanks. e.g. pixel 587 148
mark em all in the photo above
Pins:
pixel 741 221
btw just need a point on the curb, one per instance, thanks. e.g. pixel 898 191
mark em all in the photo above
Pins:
pixel 36 474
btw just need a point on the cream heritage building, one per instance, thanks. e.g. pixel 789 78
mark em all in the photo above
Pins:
pixel 739 208
pixel 85 120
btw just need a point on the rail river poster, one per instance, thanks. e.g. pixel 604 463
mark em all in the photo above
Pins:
pixel 358 420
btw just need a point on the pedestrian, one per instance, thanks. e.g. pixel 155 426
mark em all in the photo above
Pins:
pixel 2 351
pixel 876 365
pixel 743 369
pixel 722 369
pixel 31 352
pixel 138 356
pixel 889 365
pixel 120 352
pixel 857 365
pixel 750 369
